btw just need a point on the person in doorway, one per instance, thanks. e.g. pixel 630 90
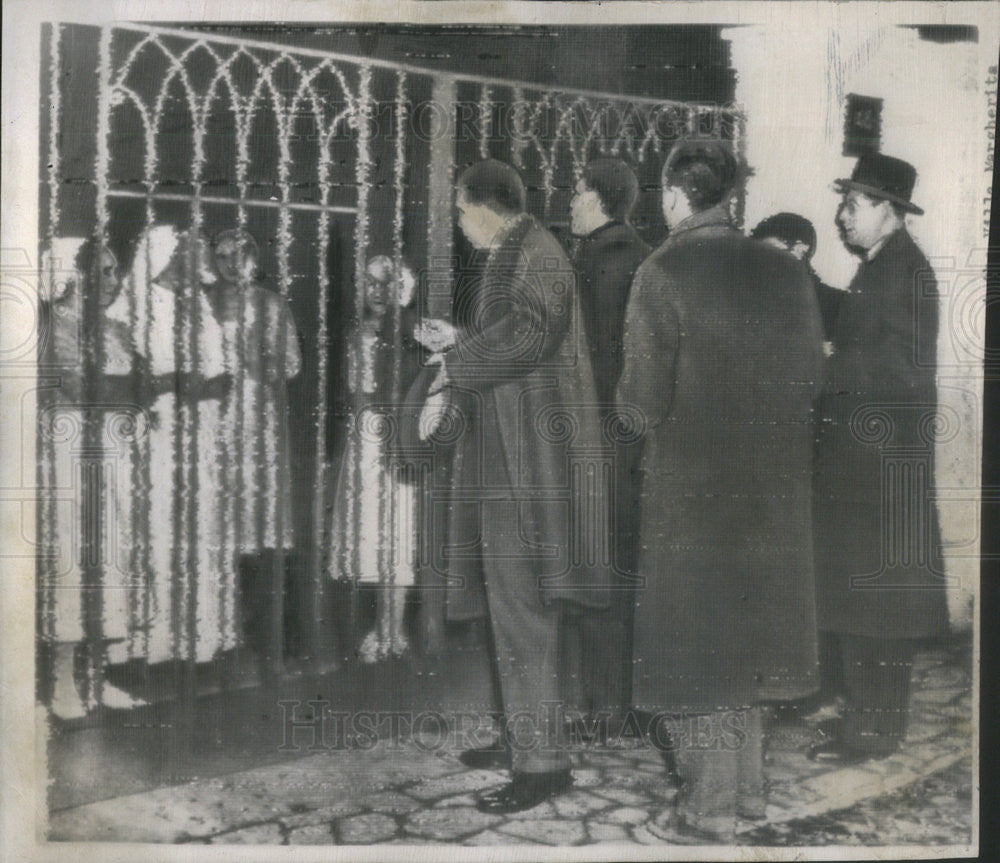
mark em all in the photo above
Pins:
pixel 723 359
pixel 880 576
pixel 608 253
pixel 518 377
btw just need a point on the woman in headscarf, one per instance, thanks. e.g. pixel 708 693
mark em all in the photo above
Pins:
pixel 372 535
pixel 261 348
pixel 191 603
pixel 86 605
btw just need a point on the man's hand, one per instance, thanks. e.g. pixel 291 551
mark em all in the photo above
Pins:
pixel 438 401
pixel 433 413
pixel 434 334
pixel 441 380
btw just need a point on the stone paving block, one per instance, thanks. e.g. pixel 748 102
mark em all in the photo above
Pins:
pixel 923 730
pixel 322 814
pixel 390 802
pixel 937 697
pixel 607 832
pixel 587 778
pixel 366 829
pixel 623 815
pixel 312 834
pixel 260 834
pixel 449 823
pixel 546 832
pixel 623 796
pixel 942 677
pixel 544 810
pixel 164 815
pixel 457 800
pixel 578 803
pixel 458 783
pixel 644 836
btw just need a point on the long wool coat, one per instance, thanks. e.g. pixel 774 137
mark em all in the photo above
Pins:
pixel 529 438
pixel 723 356
pixel 878 562
pixel 605 264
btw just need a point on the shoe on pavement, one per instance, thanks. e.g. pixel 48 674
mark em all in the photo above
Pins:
pixel 525 791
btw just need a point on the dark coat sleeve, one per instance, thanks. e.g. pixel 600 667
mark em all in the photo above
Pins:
pixel 651 340
pixel 538 315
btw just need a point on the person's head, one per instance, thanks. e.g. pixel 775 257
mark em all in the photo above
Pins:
pixel 864 220
pixel 155 256
pixel 488 195
pixel 789 232
pixel 876 199
pixel 99 267
pixel 696 176
pixel 236 256
pixel 606 191
pixel 381 281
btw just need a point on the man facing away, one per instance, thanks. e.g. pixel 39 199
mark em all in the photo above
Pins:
pixel 723 356
pixel 526 521
pixel 607 256
pixel 879 573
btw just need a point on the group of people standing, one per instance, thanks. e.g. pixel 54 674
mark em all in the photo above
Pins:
pixel 713 470
pixel 765 548
pixel 180 376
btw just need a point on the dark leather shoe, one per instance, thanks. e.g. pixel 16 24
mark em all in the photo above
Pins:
pixel 490 757
pixel 526 791
pixel 835 753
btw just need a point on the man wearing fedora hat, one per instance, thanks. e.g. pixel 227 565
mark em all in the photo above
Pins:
pixel 879 583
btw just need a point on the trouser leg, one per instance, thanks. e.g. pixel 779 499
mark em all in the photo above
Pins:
pixel 603 648
pixel 525 637
pixel 877 673
pixel 721 764
pixel 831 668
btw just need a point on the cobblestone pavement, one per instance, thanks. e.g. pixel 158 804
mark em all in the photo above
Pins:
pixel 412 792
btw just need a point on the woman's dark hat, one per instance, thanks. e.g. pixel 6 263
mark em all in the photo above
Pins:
pixel 883 177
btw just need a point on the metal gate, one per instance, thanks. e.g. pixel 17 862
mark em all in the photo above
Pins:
pixel 328 161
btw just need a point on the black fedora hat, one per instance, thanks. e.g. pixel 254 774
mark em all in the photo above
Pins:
pixel 883 177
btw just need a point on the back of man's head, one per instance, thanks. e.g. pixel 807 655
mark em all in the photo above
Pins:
pixel 615 184
pixel 706 171
pixel 494 184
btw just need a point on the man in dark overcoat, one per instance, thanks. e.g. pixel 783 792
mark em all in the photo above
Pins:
pixel 880 581
pixel 527 518
pixel 608 253
pixel 723 357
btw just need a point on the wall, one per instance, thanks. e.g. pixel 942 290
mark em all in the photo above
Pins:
pixel 792 82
